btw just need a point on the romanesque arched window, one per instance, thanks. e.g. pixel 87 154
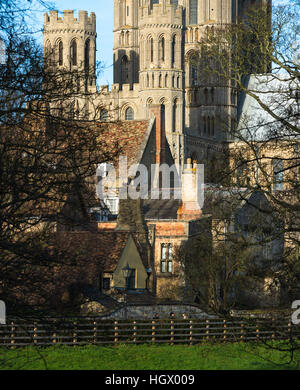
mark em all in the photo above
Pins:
pixel 194 72
pixel 103 115
pixel 173 51
pixel 124 70
pixel 151 44
pixel 161 49
pixel 174 115
pixel 208 125
pixel 87 54
pixel 206 95
pixel 163 116
pixel 73 52
pixel 129 114
pixel 60 53
pixel 160 81
pixel 193 11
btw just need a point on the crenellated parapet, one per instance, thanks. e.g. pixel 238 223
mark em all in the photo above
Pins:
pixel 164 12
pixel 84 22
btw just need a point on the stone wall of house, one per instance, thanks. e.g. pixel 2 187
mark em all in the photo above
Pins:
pixel 163 310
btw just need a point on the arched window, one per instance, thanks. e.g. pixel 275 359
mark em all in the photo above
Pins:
pixel 166 81
pixel 60 53
pixel 206 96
pixel 124 70
pixel 148 81
pixel 163 116
pixel 173 51
pixel 73 53
pixel 161 48
pixel 212 95
pixel 174 115
pixel 87 54
pixel 160 81
pixel 208 125
pixel 151 43
pixel 148 105
pixel 194 74
pixel 129 114
pixel 122 38
pixel 193 11
pixel 178 82
pixel 103 115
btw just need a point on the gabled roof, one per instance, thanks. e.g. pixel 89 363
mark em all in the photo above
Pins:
pixel 103 248
pixel 129 138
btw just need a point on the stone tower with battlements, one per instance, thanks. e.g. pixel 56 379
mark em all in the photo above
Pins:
pixel 156 62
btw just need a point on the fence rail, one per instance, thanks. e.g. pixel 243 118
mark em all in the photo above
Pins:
pixel 83 331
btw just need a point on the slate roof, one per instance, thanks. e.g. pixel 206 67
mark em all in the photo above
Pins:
pixel 278 95
pixel 161 209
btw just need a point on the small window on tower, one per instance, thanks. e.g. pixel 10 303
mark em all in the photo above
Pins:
pixel 129 114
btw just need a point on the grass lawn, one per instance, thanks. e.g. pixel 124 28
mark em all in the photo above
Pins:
pixel 243 356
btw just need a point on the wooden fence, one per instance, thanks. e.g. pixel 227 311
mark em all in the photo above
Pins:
pixel 82 331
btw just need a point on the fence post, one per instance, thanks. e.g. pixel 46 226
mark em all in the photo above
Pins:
pixel 153 331
pixel 75 333
pixel 273 327
pixel 172 332
pixel 257 331
pixel 116 331
pixel 290 331
pixel 35 333
pixel 207 329
pixel 12 334
pixel 134 331
pixel 191 332
pixel 224 331
pixel 95 332
pixel 242 331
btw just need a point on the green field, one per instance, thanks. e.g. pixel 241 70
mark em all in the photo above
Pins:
pixel 243 356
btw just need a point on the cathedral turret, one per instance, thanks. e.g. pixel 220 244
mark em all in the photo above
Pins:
pixel 70 43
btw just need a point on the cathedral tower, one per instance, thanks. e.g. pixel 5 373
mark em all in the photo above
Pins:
pixel 70 44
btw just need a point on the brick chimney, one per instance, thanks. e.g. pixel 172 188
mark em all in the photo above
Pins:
pixel 191 186
pixel 157 111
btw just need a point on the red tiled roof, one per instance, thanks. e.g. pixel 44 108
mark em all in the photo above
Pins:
pixel 103 248
pixel 128 138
